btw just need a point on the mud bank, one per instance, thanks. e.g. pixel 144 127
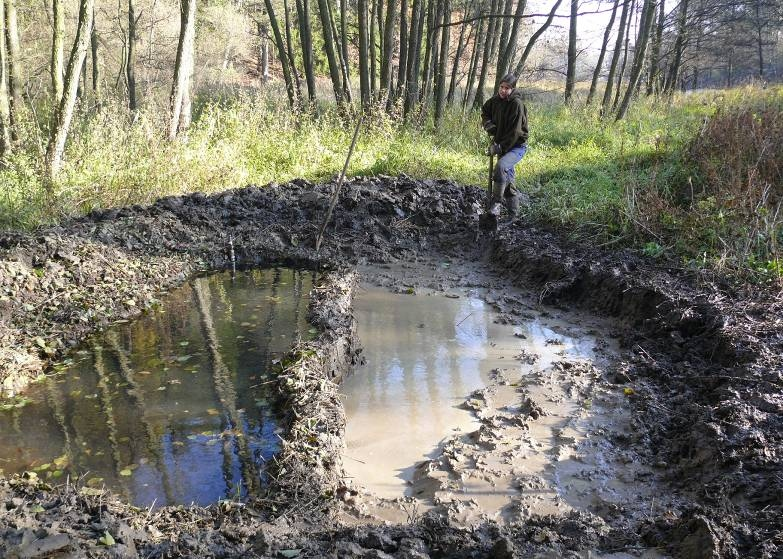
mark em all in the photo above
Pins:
pixel 702 363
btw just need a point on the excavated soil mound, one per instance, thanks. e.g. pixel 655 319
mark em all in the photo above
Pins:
pixel 704 360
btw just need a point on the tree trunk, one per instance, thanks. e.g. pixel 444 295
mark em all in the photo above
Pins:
pixel 458 56
pixel 655 53
pixel 600 64
pixel 508 46
pixel 14 69
pixel 414 56
pixel 130 60
pixel 64 112
pixel 331 54
pixel 621 73
pixel 364 55
pixel 440 86
pixel 372 50
pixel 505 31
pixel 262 67
pixel 431 55
pixel 488 53
pixel 402 70
pixel 679 47
pixel 388 48
pixel 288 52
pixel 618 48
pixel 571 62
pixel 96 75
pixel 344 42
pixel 645 26
pixel 5 135
pixel 183 70
pixel 534 38
pixel 58 41
pixel 343 62
pixel 306 38
pixel 281 48
pixel 475 57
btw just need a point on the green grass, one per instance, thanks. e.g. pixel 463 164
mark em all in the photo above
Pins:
pixel 610 182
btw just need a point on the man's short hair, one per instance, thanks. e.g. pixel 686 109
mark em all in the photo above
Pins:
pixel 510 79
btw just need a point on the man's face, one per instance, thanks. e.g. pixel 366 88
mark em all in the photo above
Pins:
pixel 505 90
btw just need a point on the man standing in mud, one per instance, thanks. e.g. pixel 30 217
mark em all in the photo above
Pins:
pixel 504 117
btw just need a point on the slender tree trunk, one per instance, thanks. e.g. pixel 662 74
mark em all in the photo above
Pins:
pixel 655 53
pixel 344 41
pixel 14 67
pixel 306 38
pixel 534 38
pixel 343 62
pixel 5 135
pixel 600 64
pixel 618 47
pixel 64 112
pixel 183 69
pixel 431 55
pixel 331 53
pixel 645 27
pixel 96 69
pixel 388 48
pixel 440 86
pixel 508 45
pixel 402 70
pixel 263 51
pixel 289 52
pixel 571 63
pixel 365 93
pixel 505 31
pixel 621 73
pixel 281 48
pixel 488 53
pixel 478 44
pixel 457 57
pixel 414 56
pixel 58 42
pixel 130 59
pixel 679 47
pixel 373 53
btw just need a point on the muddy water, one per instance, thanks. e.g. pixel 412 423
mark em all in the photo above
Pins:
pixel 424 355
pixel 175 408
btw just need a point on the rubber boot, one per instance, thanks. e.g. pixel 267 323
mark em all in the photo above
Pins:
pixel 512 205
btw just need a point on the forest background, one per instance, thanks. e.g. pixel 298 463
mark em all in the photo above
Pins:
pixel 655 124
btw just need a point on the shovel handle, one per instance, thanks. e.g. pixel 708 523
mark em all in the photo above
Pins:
pixel 489 181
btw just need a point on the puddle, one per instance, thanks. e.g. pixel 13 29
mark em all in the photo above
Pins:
pixel 177 407
pixel 424 355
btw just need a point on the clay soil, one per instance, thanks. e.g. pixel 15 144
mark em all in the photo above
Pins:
pixel 698 373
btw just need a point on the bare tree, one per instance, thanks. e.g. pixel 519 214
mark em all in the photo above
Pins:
pixel 618 48
pixel 535 36
pixel 14 67
pixel 571 62
pixel 365 93
pixel 64 112
pixel 508 45
pixel 388 48
pixel 679 47
pixel 96 72
pixel 130 57
pixel 440 86
pixel 183 70
pixel 281 48
pixel 645 26
pixel 655 51
pixel 414 56
pixel 306 39
pixel 58 41
pixel 600 64
pixel 331 53
pixel 5 136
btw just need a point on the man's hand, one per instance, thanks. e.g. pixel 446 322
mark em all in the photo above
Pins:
pixel 490 127
pixel 494 149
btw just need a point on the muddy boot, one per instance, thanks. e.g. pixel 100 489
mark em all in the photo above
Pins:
pixel 498 190
pixel 512 205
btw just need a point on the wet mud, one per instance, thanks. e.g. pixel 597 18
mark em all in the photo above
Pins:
pixel 690 440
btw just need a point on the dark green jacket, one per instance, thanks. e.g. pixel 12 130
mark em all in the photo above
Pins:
pixel 509 117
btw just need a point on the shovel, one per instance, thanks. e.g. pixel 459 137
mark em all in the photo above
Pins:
pixel 488 221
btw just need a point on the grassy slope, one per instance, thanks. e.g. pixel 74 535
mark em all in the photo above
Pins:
pixel 613 182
